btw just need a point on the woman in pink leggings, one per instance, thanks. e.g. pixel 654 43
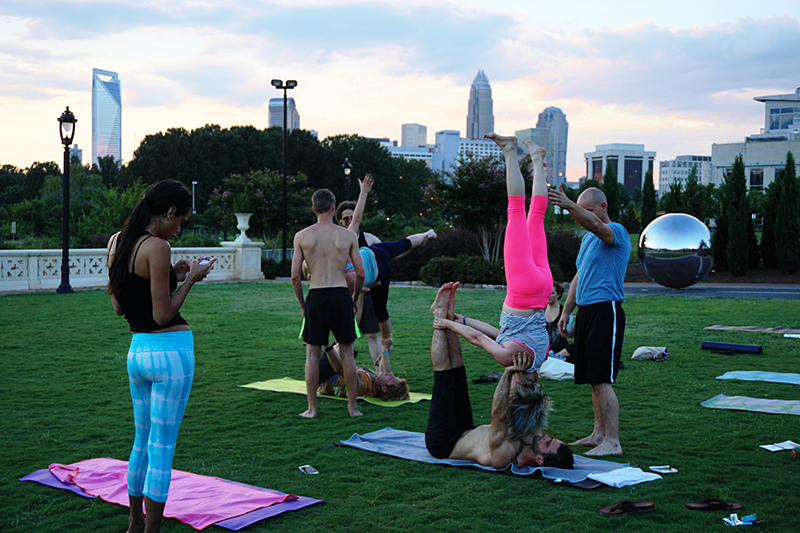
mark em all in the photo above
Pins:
pixel 529 284
pixel 528 278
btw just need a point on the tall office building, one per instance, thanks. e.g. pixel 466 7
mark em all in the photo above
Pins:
pixel 480 113
pixel 106 115
pixel 276 114
pixel 552 118
pixel 414 136
pixel 630 162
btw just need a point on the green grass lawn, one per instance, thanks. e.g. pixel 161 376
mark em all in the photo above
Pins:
pixel 65 398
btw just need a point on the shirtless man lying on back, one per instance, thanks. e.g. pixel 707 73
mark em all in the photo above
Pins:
pixel 451 432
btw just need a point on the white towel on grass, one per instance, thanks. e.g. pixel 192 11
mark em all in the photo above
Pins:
pixel 623 477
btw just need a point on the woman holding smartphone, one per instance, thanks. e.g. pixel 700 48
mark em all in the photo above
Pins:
pixel 143 286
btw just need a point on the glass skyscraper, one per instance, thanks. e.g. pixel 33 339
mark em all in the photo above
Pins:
pixel 480 113
pixel 554 119
pixel 106 115
pixel 276 114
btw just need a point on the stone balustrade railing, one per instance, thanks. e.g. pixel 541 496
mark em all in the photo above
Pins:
pixel 22 270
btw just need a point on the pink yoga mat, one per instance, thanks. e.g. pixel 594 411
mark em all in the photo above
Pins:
pixel 196 500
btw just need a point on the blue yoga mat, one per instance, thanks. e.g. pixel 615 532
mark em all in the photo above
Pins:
pixel 411 445
pixel 772 377
pixel 758 405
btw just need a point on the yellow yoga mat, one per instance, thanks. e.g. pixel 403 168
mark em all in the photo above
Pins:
pixel 299 387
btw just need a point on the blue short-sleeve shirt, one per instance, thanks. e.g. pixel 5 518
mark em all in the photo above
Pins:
pixel 601 267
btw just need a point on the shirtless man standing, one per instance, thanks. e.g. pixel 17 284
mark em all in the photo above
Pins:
pixel 326 248
pixel 451 432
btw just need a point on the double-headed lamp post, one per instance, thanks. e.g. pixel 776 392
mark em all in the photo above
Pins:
pixel 278 84
pixel 347 167
pixel 67 131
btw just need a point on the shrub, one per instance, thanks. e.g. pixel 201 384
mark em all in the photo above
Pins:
pixel 464 268
pixel 449 243
pixel 270 268
pixel 562 251
pixel 194 240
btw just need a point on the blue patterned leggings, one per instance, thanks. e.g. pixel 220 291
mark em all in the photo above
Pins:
pixel 160 370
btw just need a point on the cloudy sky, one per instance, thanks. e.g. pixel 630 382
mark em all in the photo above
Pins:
pixel 675 76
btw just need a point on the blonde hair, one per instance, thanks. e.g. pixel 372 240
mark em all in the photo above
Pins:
pixel 395 393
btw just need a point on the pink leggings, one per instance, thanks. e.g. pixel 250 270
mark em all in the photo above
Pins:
pixel 528 278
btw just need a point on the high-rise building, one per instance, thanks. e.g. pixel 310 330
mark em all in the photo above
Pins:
pixel 678 170
pixel 480 113
pixel 414 136
pixel 106 115
pixel 76 152
pixel 629 162
pixel 764 153
pixel 450 146
pixel 552 118
pixel 276 114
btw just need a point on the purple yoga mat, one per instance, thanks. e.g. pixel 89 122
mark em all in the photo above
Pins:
pixel 45 477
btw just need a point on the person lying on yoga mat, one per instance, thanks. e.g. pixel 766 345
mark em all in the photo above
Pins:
pixel 384 385
pixel 144 287
pixel 528 278
pixel 377 260
pixel 509 438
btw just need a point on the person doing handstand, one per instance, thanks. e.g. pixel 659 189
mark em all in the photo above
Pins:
pixel 329 307
pixel 528 278
pixel 451 432
pixel 377 260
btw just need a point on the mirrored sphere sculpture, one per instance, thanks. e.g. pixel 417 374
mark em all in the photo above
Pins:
pixel 675 250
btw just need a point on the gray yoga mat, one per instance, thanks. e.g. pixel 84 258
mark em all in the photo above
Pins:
pixel 759 405
pixel 757 375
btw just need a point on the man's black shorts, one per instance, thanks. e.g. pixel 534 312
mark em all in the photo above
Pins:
pixel 329 309
pixel 599 330
pixel 369 322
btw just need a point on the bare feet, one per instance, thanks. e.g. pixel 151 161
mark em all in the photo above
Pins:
pixel 442 301
pixel 135 525
pixel 591 440
pixel 308 413
pixel 354 412
pixel 506 143
pixel 430 234
pixel 536 151
pixel 452 306
pixel 606 448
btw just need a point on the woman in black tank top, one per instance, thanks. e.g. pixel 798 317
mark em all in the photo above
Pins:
pixel 143 286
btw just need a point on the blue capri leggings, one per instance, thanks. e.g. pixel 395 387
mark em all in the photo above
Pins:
pixel 160 370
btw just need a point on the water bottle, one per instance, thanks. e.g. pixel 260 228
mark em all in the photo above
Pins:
pixel 571 323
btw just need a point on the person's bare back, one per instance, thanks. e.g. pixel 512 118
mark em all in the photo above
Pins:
pixel 326 249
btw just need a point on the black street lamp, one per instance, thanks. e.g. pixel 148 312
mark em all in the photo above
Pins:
pixel 67 130
pixel 347 167
pixel 278 84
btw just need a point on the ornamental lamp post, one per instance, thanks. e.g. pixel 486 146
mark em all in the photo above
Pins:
pixel 278 84
pixel 347 167
pixel 67 131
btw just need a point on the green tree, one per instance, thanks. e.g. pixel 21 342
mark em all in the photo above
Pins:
pixel 693 196
pixel 475 197
pixel 769 211
pixel 738 218
pixel 636 197
pixel 611 189
pixel 648 213
pixel 630 220
pixel 787 228
pixel 722 231
pixel 586 184
pixel 672 201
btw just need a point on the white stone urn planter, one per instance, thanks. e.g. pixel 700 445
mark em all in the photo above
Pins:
pixel 243 224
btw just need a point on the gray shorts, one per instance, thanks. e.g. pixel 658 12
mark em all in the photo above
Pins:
pixel 528 331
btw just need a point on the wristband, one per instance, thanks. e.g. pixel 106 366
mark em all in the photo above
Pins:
pixel 384 354
pixel 464 320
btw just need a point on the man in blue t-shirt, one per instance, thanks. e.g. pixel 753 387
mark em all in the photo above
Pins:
pixel 600 322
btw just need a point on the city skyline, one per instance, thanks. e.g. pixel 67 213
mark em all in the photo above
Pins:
pixel 676 78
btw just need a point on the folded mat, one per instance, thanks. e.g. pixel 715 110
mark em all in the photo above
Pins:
pixel 757 375
pixel 779 329
pixel 759 405
pixel 196 500
pixel 299 387
pixel 411 445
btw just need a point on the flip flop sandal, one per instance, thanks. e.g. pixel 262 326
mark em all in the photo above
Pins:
pixel 713 504
pixel 628 507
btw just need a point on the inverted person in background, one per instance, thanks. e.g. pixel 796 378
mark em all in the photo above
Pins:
pixel 326 248
pixel 600 323
pixel 528 278
pixel 365 313
pixel 144 288
pixel 377 260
